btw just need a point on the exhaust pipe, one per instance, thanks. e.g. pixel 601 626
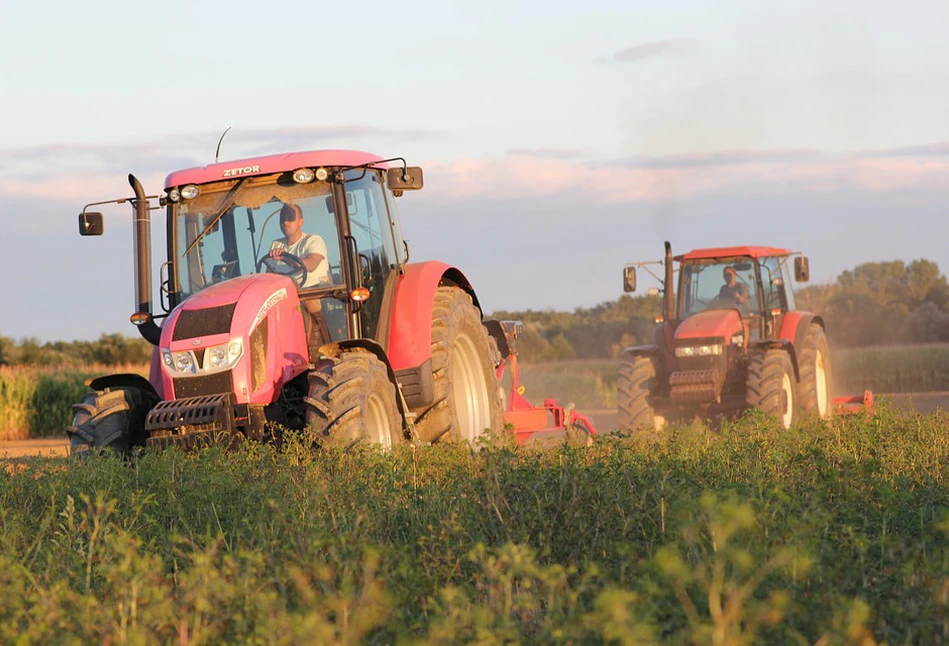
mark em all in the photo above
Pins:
pixel 142 240
pixel 668 295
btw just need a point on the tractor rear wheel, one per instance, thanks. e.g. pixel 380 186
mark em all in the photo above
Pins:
pixel 635 390
pixel 112 419
pixel 771 385
pixel 352 400
pixel 816 375
pixel 464 358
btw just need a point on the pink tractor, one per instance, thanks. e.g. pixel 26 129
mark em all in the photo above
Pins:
pixel 288 302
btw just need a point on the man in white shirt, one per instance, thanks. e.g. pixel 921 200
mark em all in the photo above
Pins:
pixel 311 250
pixel 308 247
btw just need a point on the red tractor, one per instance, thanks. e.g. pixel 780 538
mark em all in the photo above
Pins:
pixel 288 302
pixel 733 339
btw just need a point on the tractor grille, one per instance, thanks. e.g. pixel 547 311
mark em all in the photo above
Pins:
pixel 258 355
pixel 213 384
pixel 195 323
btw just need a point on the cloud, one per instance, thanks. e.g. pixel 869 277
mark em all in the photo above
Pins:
pixel 546 153
pixel 937 149
pixel 643 51
pixel 663 179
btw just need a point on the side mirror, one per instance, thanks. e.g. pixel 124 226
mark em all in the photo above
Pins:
pixel 802 272
pixel 90 224
pixel 404 179
pixel 629 279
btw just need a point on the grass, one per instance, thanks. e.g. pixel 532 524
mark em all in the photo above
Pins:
pixel 833 533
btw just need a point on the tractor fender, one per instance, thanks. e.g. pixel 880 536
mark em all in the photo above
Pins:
pixel 778 344
pixel 410 331
pixel 795 324
pixel 642 351
pixel 123 380
pixel 337 348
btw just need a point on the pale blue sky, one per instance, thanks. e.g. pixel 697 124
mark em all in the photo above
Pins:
pixel 560 139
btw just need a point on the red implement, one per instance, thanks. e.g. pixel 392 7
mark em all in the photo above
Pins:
pixel 855 403
pixel 526 418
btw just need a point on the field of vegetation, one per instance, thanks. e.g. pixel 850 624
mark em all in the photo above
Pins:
pixel 832 533
pixel 36 401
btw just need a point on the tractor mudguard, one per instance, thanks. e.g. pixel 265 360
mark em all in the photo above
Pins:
pixel 410 332
pixel 642 350
pixel 778 344
pixel 795 324
pixel 120 380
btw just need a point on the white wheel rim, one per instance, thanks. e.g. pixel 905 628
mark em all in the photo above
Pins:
pixel 658 422
pixel 820 378
pixel 469 390
pixel 787 414
pixel 378 427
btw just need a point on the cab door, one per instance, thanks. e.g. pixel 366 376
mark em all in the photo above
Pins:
pixel 373 245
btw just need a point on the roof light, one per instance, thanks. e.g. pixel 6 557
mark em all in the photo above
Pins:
pixel 359 294
pixel 303 175
pixel 174 195
pixel 190 192
pixel 322 174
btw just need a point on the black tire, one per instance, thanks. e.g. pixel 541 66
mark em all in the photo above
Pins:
pixel 111 419
pixel 464 359
pixel 352 400
pixel 771 386
pixel 635 392
pixel 814 391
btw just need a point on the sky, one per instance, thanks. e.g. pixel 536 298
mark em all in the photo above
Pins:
pixel 559 140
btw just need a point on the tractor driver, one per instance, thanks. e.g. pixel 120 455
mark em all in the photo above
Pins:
pixel 308 247
pixel 735 291
pixel 311 250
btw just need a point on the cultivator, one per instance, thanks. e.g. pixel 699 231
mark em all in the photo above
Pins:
pixel 551 420
pixel 855 404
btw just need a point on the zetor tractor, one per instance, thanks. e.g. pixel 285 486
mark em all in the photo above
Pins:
pixel 350 341
pixel 732 340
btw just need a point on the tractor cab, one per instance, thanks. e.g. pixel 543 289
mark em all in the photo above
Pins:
pixel 744 289
pixel 341 220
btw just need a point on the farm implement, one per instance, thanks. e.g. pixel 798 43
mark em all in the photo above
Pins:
pixel 530 422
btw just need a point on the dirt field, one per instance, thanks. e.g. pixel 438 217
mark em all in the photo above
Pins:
pixel 605 421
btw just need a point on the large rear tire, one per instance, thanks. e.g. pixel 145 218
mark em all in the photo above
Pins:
pixel 112 419
pixel 816 374
pixel 467 395
pixel 771 386
pixel 352 400
pixel 635 394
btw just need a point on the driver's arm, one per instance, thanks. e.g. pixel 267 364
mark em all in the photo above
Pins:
pixel 312 261
pixel 315 252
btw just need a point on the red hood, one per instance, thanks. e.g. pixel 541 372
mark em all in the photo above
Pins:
pixel 710 323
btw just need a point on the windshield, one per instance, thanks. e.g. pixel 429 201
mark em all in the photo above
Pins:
pixel 230 228
pixel 722 284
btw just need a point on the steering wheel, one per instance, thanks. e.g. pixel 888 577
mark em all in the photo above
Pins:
pixel 296 267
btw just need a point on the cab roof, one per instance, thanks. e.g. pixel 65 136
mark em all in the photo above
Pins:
pixel 266 165
pixel 730 252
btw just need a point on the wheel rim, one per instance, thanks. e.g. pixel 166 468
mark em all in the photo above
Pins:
pixel 658 422
pixel 469 390
pixel 378 427
pixel 820 378
pixel 787 415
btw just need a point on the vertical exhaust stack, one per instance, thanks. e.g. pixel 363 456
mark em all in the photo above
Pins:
pixel 142 240
pixel 668 295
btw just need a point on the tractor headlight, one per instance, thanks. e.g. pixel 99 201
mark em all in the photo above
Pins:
pixel 190 192
pixel 180 362
pixel 223 356
pixel 709 350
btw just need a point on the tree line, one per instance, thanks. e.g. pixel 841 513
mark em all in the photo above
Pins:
pixel 876 303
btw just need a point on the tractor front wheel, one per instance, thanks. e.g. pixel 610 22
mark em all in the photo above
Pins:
pixel 816 374
pixel 112 419
pixel 467 397
pixel 771 385
pixel 635 392
pixel 352 400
